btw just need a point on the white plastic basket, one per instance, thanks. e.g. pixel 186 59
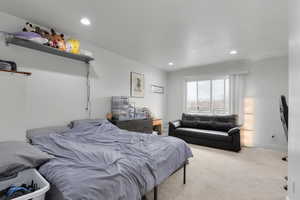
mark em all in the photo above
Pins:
pixel 27 176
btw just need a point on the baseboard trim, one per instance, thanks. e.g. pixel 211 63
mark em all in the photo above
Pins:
pixel 272 147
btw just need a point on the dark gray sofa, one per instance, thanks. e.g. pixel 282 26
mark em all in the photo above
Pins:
pixel 208 130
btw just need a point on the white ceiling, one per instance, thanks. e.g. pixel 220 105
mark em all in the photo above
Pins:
pixel 156 32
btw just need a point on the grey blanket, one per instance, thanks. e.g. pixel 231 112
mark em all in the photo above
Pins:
pixel 103 162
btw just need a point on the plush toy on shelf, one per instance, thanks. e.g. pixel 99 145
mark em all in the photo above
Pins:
pixel 32 33
pixel 57 41
pixel 50 38
pixel 29 27
pixel 40 31
pixel 73 46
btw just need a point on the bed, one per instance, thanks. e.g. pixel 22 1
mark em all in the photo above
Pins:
pixel 96 160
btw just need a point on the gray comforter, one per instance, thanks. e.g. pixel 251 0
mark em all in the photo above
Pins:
pixel 98 161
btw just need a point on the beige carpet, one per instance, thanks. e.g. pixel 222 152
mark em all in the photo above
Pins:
pixel 252 174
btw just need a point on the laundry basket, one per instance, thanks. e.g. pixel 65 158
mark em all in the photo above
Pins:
pixel 27 176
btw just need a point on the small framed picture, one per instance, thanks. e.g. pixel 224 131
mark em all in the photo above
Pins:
pixel 157 89
pixel 137 85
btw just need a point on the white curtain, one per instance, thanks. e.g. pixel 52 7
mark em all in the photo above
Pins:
pixel 237 94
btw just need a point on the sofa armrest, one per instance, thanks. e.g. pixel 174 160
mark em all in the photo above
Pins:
pixel 172 127
pixel 234 131
pixel 236 138
pixel 175 124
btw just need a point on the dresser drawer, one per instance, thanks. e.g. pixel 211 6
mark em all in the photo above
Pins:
pixel 144 126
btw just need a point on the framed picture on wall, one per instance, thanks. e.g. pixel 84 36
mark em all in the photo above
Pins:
pixel 137 85
pixel 157 89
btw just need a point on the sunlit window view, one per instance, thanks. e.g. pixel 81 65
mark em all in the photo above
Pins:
pixel 208 96
pixel 204 97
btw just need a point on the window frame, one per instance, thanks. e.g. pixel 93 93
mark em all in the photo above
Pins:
pixel 211 107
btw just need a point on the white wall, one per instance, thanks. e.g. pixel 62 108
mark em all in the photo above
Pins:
pixel 266 81
pixel 56 91
pixel 294 101
pixel 111 77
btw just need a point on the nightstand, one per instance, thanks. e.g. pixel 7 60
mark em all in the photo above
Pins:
pixel 157 125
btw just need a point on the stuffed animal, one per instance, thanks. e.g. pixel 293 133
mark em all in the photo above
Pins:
pixel 48 36
pixel 28 27
pixel 40 31
pixel 73 46
pixel 57 41
pixel 53 40
pixel 33 33
pixel 45 34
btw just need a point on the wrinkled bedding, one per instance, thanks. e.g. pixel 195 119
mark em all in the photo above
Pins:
pixel 100 161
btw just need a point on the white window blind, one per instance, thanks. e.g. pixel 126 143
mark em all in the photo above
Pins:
pixel 208 96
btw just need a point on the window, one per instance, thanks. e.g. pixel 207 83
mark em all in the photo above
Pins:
pixel 208 96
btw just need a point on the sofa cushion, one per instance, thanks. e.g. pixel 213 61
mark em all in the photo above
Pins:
pixel 212 118
pixel 223 126
pixel 189 124
pixel 196 117
pixel 204 134
pixel 226 118
pixel 207 125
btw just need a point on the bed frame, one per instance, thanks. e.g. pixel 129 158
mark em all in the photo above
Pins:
pixel 54 193
pixel 184 180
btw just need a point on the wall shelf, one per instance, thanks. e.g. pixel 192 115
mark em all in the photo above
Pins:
pixel 16 72
pixel 10 39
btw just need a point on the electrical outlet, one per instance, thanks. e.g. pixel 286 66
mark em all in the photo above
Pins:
pixel 273 136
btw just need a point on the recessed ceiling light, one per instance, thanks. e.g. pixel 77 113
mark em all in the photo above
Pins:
pixel 170 64
pixel 85 21
pixel 233 52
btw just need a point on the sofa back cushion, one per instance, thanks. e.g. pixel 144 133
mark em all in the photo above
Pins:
pixel 196 117
pixel 223 126
pixel 209 122
pixel 207 125
pixel 226 119
pixel 189 124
